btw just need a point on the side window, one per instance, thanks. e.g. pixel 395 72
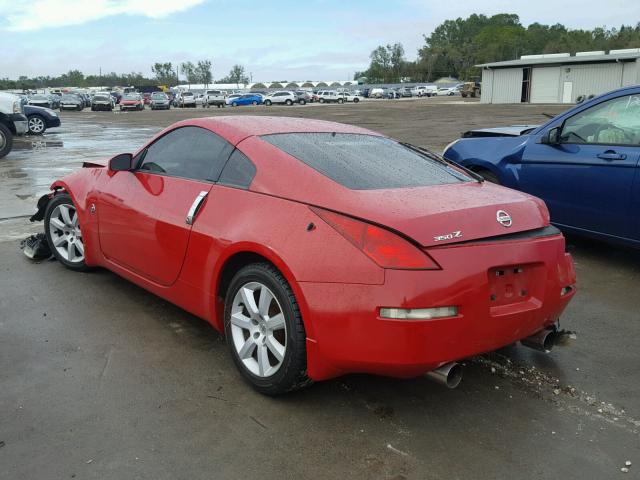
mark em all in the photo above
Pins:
pixel 188 152
pixel 614 122
pixel 238 172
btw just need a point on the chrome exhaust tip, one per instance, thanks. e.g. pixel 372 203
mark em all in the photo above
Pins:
pixel 543 341
pixel 449 374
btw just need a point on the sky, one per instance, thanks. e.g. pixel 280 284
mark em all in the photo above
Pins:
pixel 273 40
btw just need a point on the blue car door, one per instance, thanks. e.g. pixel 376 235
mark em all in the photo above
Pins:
pixel 587 170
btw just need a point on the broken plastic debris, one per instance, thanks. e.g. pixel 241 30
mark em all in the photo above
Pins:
pixel 628 463
pixel 624 470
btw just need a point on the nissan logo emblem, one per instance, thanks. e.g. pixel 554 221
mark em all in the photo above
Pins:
pixel 503 218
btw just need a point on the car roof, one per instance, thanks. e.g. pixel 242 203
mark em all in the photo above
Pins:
pixel 235 128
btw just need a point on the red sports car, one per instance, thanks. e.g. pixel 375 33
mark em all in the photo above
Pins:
pixel 318 248
pixel 132 101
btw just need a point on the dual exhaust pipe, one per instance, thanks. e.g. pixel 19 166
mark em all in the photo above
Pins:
pixel 450 374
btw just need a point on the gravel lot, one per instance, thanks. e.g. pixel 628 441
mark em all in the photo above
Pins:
pixel 100 379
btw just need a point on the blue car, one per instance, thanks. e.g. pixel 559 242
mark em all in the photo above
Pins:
pixel 583 163
pixel 40 119
pixel 247 99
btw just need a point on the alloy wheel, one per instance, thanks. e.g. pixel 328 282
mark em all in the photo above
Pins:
pixel 36 125
pixel 64 229
pixel 258 329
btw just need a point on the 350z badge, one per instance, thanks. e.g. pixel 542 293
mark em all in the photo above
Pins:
pixel 448 236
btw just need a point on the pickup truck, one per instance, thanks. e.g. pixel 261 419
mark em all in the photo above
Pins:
pixel 12 121
pixel 214 98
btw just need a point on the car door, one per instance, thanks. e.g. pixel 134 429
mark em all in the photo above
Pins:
pixel 586 172
pixel 145 215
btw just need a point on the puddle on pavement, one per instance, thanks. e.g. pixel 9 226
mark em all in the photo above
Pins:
pixel 36 162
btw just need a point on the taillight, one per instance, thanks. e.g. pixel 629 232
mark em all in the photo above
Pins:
pixel 385 248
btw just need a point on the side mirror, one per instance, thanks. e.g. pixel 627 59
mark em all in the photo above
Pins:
pixel 121 162
pixel 551 137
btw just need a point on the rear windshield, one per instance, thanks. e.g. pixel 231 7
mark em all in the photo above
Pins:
pixel 365 162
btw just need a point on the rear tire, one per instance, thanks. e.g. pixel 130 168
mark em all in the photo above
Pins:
pixel 62 228
pixel 267 103
pixel 267 339
pixel 288 102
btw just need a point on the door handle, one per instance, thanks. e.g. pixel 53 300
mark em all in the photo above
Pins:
pixel 612 155
pixel 195 207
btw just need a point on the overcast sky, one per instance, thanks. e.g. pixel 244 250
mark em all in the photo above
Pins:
pixel 275 40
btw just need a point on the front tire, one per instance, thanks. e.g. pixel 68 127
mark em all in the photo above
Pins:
pixel 37 125
pixel 267 103
pixel 264 330
pixel 62 228
pixel 6 141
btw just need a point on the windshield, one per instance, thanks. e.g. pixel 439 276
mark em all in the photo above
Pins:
pixel 69 98
pixel 39 97
pixel 158 96
pixel 101 98
pixel 365 162
pixel 188 94
pixel 132 96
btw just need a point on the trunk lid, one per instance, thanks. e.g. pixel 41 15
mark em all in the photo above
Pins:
pixel 445 214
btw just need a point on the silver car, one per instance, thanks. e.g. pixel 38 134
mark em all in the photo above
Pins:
pixel 159 101
pixel 284 97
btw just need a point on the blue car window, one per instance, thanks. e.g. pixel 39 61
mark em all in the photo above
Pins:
pixel 614 122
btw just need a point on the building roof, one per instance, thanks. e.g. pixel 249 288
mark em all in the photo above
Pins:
pixel 565 58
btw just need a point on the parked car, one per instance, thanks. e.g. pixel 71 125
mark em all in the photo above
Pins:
pixel 231 97
pixel 247 99
pixel 102 101
pixel 583 163
pixel 186 100
pixel 42 100
pixel 330 96
pixel 159 101
pixel 132 101
pixel 424 90
pixel 304 96
pixel 421 264
pixel 215 98
pixel 376 92
pixel 117 97
pixel 406 92
pixel 40 119
pixel 281 98
pixel 12 121
pixel 70 101
pixel 350 97
pixel 447 91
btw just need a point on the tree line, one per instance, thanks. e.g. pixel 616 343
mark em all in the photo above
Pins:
pixel 456 46
pixel 165 73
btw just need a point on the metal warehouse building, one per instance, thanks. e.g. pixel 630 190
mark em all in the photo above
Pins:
pixel 559 77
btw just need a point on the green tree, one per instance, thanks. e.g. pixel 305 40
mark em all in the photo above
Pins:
pixel 203 72
pixel 164 73
pixel 237 75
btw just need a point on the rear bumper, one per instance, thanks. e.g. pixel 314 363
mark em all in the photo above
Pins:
pixel 350 336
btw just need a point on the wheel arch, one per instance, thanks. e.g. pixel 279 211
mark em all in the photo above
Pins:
pixel 246 253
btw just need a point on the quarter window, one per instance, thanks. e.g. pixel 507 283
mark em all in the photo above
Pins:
pixel 238 172
pixel 614 122
pixel 188 152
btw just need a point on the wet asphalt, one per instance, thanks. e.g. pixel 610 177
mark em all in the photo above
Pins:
pixel 100 379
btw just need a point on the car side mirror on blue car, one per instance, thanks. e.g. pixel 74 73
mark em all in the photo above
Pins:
pixel 551 136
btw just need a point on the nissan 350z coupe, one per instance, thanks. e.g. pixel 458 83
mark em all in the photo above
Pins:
pixel 318 248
